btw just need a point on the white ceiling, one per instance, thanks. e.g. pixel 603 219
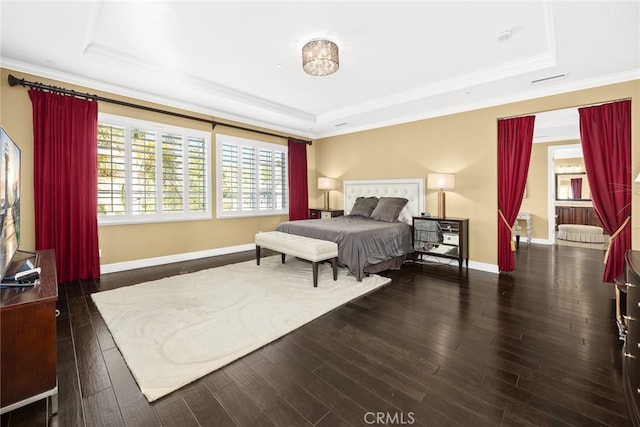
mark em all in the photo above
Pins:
pixel 557 125
pixel 399 61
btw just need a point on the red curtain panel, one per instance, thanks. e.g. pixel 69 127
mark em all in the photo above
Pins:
pixel 576 188
pixel 515 140
pixel 605 131
pixel 65 174
pixel 298 187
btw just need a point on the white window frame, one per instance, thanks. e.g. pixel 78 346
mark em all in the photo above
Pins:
pixel 159 129
pixel 259 145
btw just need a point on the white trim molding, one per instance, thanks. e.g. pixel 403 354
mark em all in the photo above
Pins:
pixel 187 256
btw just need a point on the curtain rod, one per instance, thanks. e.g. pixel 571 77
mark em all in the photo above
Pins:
pixel 14 81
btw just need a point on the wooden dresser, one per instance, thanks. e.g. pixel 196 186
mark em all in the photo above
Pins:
pixel 28 355
pixel 631 349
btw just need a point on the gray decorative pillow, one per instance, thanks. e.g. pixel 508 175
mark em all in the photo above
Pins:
pixel 388 208
pixel 364 206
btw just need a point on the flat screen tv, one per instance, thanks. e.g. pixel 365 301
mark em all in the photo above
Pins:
pixel 9 200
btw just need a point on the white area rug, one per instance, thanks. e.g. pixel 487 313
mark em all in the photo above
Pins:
pixel 175 330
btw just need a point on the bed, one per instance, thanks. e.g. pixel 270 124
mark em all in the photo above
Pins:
pixel 367 245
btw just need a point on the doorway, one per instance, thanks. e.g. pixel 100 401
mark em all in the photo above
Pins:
pixel 556 152
pixel 556 136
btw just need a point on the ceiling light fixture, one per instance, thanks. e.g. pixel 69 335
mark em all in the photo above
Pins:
pixel 320 58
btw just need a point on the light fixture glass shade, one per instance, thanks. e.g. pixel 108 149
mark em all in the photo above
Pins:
pixel 326 184
pixel 441 181
pixel 320 57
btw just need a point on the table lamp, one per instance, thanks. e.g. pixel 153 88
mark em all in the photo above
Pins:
pixel 326 185
pixel 441 182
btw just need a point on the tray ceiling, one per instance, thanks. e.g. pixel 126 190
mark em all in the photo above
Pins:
pixel 399 61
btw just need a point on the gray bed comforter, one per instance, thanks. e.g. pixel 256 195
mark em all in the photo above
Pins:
pixel 361 241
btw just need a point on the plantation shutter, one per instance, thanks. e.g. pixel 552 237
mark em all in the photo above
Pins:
pixel 172 173
pixel 111 170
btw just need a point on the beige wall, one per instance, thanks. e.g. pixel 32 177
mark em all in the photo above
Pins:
pixel 537 200
pixel 466 144
pixel 414 149
pixel 463 143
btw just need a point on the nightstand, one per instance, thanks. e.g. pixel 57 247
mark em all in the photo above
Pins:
pixel 325 213
pixel 442 237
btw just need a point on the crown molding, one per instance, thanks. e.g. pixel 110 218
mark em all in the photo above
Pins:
pixel 102 86
pixel 559 137
pixel 302 131
pixel 536 92
pixel 530 64
pixel 143 66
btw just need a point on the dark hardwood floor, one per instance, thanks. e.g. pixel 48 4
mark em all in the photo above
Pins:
pixel 435 347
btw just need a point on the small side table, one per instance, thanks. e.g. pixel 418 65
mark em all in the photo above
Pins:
pixel 526 217
pixel 325 213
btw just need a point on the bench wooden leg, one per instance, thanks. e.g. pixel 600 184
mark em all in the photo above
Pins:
pixel 315 274
pixel 334 266
pixel 283 257
pixel 257 255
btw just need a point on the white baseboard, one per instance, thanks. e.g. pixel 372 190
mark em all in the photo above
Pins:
pixel 523 240
pixel 540 241
pixel 483 266
pixel 474 265
pixel 151 262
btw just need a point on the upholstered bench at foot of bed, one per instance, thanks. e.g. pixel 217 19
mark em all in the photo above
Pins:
pixel 580 233
pixel 313 250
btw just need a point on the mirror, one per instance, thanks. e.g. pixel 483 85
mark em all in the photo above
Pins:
pixel 572 186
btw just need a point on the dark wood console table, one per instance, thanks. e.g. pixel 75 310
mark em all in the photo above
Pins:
pixel 28 354
pixel 631 351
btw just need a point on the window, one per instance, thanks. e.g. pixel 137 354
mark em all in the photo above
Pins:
pixel 151 172
pixel 252 177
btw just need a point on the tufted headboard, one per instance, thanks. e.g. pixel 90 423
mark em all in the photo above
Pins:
pixel 409 188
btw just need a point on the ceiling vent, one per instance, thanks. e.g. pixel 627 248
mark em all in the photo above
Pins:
pixel 549 78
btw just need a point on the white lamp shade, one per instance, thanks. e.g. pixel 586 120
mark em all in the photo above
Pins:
pixel 441 181
pixel 326 184
pixel 638 178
